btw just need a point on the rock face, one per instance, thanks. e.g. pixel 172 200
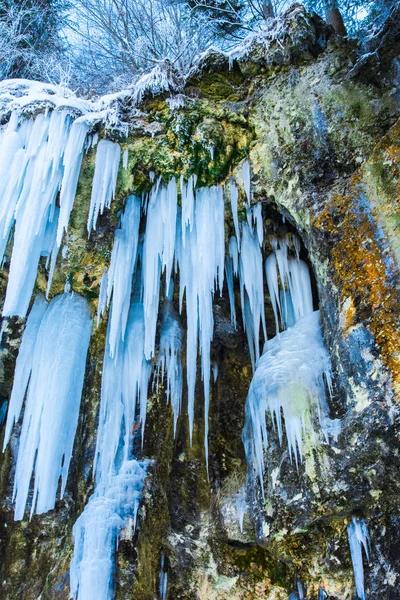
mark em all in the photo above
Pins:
pixel 323 139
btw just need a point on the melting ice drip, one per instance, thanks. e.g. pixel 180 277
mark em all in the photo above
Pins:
pixel 51 366
pixel 358 539
pixel 294 371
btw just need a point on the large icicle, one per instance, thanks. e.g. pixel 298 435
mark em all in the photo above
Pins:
pixel 358 539
pixel 97 530
pixel 24 365
pixel 29 199
pixel 72 166
pixel 158 254
pixel 252 291
pixel 122 268
pixel 124 383
pixel 201 267
pixel 104 180
pixel 53 401
pixel 292 375
pixel 170 358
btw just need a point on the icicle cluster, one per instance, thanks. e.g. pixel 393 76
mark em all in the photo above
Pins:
pixel 293 373
pixel 51 366
pixel 358 539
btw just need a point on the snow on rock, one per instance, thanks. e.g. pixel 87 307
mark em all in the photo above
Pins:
pixel 57 337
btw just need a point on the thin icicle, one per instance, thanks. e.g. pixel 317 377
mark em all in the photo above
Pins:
pixel 246 174
pixel 241 506
pixel 187 192
pixel 104 180
pixel 358 539
pixel 234 206
pixel 125 158
pixel 52 404
pixel 102 305
pixel 252 291
pixel 231 292
pixel 121 271
pixel 170 358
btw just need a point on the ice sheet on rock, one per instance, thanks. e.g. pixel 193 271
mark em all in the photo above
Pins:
pixel 97 530
pixel 158 254
pixel 201 272
pixel 121 271
pixel 252 291
pixel 28 198
pixel 290 381
pixel 24 364
pixel 104 180
pixel 124 384
pixel 358 539
pixel 170 358
pixel 52 403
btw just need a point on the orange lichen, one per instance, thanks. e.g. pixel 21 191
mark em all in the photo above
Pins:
pixel 360 271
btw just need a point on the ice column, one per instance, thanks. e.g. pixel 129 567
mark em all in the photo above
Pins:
pixel 60 338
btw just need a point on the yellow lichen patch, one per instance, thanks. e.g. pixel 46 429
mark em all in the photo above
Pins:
pixel 347 314
pixel 361 270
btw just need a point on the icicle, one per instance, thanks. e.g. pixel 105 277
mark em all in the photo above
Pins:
pixel 121 271
pixel 163 579
pixel 358 539
pixel 246 174
pixel 201 268
pixel 97 529
pixel 72 166
pixel 124 383
pixel 125 158
pixel 187 191
pixel 215 371
pixel 53 400
pixel 252 291
pixel 170 358
pixel 241 506
pixel 102 305
pixel 24 365
pixel 31 203
pixel 158 254
pixel 234 254
pixel 234 205
pixel 231 292
pixel 104 180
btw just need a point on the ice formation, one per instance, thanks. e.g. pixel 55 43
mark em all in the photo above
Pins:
pixel 241 506
pixel 201 272
pixel 120 274
pixel 358 539
pixel 53 352
pixel 294 372
pixel 170 358
pixel 163 579
pixel 104 180
pixel 35 157
pixel 158 254
pixel 252 290
pixel 96 532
